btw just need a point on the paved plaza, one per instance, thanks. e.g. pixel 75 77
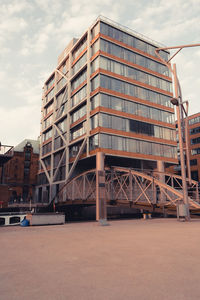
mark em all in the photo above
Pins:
pixel 130 259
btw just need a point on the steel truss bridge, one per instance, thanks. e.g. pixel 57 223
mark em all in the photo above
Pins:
pixel 152 191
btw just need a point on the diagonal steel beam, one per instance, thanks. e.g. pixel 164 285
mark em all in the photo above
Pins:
pixel 59 164
pixel 45 170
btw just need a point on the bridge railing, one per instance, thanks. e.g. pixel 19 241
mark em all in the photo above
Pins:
pixel 130 186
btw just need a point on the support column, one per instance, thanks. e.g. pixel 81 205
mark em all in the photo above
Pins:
pixel 161 177
pixel 101 212
pixel 130 187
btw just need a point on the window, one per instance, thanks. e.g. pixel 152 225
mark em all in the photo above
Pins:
pixel 194 175
pixel 58 142
pixel 193 162
pixel 73 150
pixel 78 114
pixel 133 57
pixel 46 148
pixel 77 131
pixel 61 83
pixel 79 79
pixel 79 96
pixel 61 98
pixel 47 161
pixel 129 125
pixel 47 122
pixel 48 109
pixel 195 141
pixel 195 151
pixel 79 63
pixel 135 146
pixel 130 40
pixel 130 89
pixel 130 72
pixel 79 48
pixel 131 107
pixel 62 125
pixel 194 120
pixel 95 83
pixel 50 82
pixel 47 135
pixel 49 96
pixel 195 130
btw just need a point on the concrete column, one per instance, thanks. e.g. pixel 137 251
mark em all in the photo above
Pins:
pixel 161 177
pixel 101 213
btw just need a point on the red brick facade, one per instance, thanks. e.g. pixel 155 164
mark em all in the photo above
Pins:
pixel 19 176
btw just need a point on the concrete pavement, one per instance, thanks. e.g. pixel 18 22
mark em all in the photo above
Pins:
pixel 131 259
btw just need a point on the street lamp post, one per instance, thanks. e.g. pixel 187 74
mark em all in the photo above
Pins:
pixel 177 101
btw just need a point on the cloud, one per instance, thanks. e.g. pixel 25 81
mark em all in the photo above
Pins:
pixel 19 124
pixel 167 20
pixel 38 42
pixel 38 31
pixel 14 7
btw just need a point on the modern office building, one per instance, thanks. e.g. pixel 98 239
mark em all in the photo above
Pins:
pixel 109 93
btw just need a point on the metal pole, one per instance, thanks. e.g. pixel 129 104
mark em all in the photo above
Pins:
pixel 182 158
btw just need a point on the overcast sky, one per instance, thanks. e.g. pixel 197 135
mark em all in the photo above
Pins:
pixel 34 32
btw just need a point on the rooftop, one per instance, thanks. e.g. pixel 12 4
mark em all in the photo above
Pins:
pixel 34 144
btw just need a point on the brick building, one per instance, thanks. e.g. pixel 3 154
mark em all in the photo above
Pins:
pixel 194 142
pixel 109 93
pixel 20 173
pixel 194 149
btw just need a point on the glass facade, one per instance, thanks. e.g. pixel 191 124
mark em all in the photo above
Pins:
pixel 195 151
pixel 79 96
pixel 129 89
pixel 129 40
pixel 130 125
pixel 131 145
pixel 194 120
pixel 195 141
pixel 79 113
pixel 130 72
pixel 79 48
pixel 79 63
pixel 78 80
pixel 131 107
pixel 131 57
pixel 195 130
pixel 47 122
pixel 77 131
